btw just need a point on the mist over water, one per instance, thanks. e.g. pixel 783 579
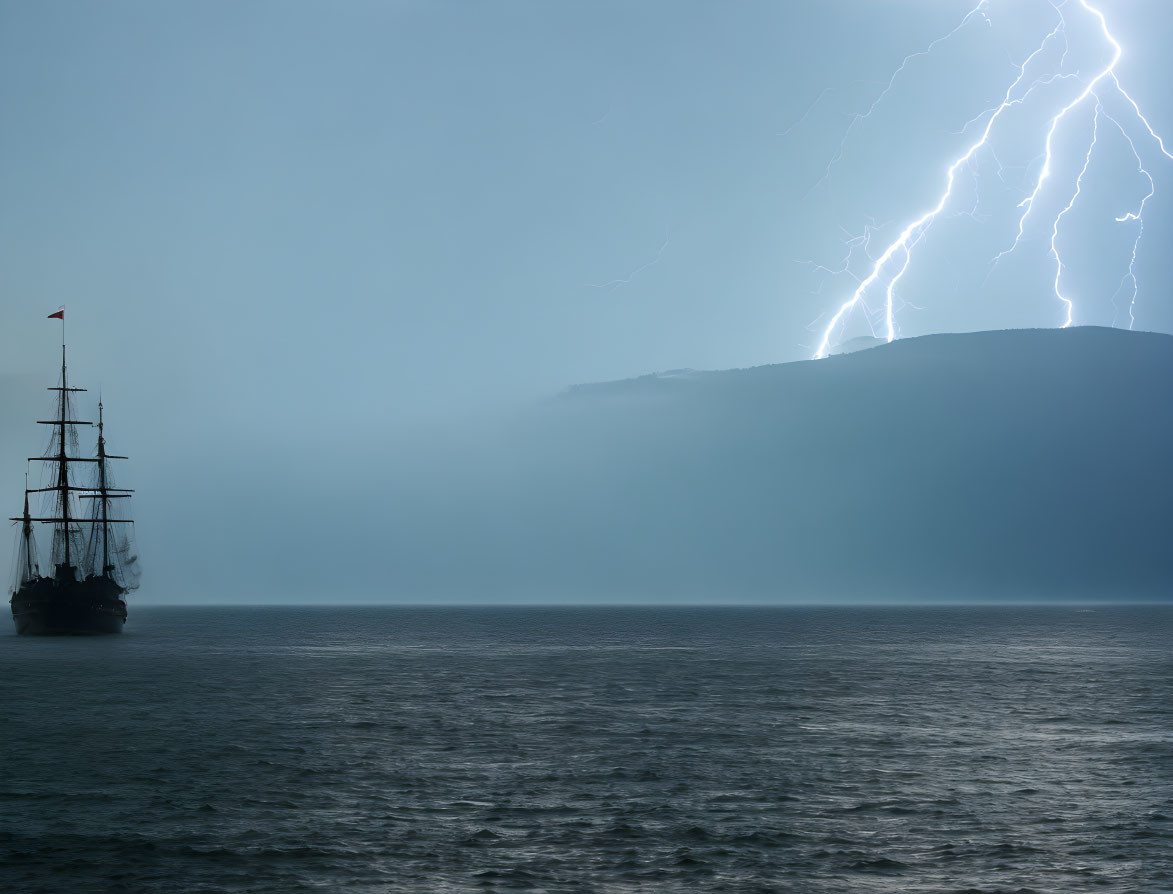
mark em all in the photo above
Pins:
pixel 390 749
pixel 1002 466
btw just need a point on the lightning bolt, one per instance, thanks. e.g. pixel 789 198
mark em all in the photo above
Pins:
pixel 1138 216
pixel 915 230
pixel 1087 161
pixel 892 265
pixel 1048 150
pixel 979 10
pixel 1143 119
pixel 625 281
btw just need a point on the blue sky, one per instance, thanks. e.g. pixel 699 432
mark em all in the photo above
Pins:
pixel 284 226
pixel 433 193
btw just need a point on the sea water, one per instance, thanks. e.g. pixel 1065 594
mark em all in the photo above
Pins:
pixel 592 749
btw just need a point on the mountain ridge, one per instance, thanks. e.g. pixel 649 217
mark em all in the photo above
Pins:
pixel 1004 465
pixel 1002 338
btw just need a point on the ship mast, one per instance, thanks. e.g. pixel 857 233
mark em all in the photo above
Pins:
pixel 62 461
pixel 27 531
pixel 103 496
pixel 62 520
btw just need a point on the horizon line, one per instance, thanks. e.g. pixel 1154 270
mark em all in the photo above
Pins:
pixel 1036 603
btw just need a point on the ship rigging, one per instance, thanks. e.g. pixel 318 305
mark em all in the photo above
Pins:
pixel 93 562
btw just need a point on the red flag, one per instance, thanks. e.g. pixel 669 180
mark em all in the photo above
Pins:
pixel 60 315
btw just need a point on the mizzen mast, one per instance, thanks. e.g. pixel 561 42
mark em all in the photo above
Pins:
pixel 105 495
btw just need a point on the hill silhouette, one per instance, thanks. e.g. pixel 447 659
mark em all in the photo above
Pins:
pixel 1030 464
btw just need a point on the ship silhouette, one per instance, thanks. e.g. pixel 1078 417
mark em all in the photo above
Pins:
pixel 93 562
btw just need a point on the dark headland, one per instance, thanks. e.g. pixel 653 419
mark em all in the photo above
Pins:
pixel 1010 465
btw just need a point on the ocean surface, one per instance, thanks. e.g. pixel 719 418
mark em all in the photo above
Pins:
pixel 607 749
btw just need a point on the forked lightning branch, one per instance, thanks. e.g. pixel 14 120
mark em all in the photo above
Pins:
pixel 876 294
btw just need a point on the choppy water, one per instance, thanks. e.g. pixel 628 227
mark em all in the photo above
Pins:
pixel 372 750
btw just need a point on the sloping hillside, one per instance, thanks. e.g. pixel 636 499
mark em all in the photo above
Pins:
pixel 993 465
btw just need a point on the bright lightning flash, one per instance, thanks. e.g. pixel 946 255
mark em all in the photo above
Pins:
pixel 893 263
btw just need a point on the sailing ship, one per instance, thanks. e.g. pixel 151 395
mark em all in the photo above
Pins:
pixel 93 562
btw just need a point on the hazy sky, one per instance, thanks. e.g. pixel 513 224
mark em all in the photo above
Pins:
pixel 289 233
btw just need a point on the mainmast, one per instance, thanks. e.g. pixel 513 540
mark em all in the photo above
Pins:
pixel 62 522
pixel 62 460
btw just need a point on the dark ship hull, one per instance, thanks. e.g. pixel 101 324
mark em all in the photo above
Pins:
pixel 49 607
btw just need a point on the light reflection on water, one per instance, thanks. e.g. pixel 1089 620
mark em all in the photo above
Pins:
pixel 391 750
